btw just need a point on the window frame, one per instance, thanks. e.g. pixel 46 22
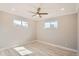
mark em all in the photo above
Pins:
pixel 53 23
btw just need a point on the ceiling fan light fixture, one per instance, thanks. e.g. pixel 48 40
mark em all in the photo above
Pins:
pixel 37 15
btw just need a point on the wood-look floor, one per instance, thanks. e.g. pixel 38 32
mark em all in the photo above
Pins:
pixel 39 49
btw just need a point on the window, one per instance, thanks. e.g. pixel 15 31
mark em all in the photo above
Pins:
pixel 47 25
pixel 17 22
pixel 24 24
pixel 20 23
pixel 52 24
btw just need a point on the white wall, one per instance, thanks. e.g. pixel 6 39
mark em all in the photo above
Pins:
pixel 65 35
pixel 10 35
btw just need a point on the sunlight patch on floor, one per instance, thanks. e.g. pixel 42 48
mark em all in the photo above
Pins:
pixel 22 50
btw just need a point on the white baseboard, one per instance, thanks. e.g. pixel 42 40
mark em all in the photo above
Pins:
pixel 65 48
pixel 16 44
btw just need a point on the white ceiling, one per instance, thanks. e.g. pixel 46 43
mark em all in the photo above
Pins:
pixel 53 9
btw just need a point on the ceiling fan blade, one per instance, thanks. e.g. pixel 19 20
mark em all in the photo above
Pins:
pixel 43 13
pixel 38 9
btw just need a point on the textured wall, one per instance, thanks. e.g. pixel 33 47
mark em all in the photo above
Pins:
pixel 11 35
pixel 65 35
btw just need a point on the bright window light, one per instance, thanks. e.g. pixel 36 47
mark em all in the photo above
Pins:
pixel 47 25
pixel 20 23
pixel 17 22
pixel 24 24
pixel 52 24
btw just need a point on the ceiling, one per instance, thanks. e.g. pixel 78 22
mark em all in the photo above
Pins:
pixel 53 9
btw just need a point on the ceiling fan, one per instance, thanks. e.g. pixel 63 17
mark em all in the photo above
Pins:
pixel 38 13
